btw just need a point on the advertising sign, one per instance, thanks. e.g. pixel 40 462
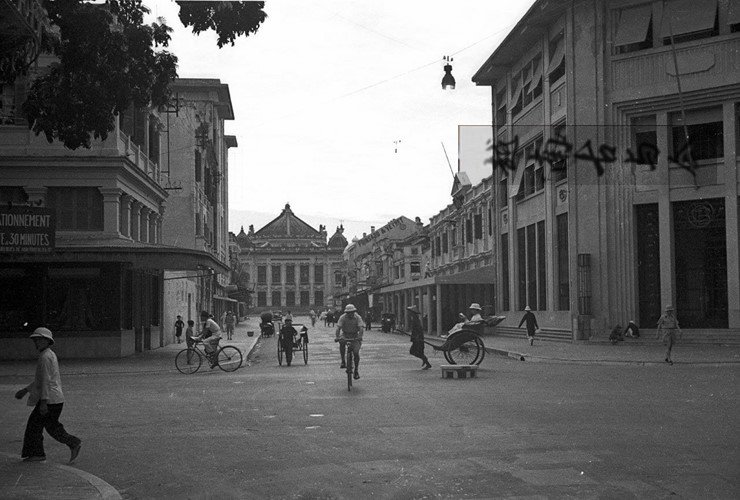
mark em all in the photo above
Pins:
pixel 26 229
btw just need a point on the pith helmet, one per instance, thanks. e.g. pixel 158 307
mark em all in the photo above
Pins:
pixel 44 333
pixel 475 306
pixel 350 308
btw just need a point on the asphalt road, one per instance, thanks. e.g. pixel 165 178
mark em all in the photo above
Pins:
pixel 525 430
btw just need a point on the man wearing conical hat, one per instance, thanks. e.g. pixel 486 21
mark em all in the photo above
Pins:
pixel 47 399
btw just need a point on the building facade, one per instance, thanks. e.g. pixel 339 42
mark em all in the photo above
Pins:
pixel 196 175
pixel 291 265
pixel 600 214
pixel 83 249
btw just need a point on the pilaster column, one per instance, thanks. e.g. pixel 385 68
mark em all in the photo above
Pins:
pixel 154 224
pixel 36 195
pixel 160 221
pixel 665 216
pixel 439 309
pixel 111 210
pixel 136 207
pixel 144 225
pixel 125 215
pixel 732 227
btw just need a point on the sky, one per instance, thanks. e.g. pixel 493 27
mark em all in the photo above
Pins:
pixel 339 108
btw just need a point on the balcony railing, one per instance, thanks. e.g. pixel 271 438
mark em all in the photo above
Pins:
pixel 134 153
pixel 705 63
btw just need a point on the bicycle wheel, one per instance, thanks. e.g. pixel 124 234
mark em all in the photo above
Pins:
pixel 305 351
pixel 280 348
pixel 350 359
pixel 229 358
pixel 188 361
pixel 464 349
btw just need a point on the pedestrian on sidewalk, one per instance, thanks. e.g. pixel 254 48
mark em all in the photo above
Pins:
pixel 616 334
pixel 667 330
pixel 47 400
pixel 179 325
pixel 368 319
pixel 229 322
pixel 417 337
pixel 532 325
pixel 312 315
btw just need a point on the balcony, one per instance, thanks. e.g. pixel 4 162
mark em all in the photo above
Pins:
pixel 703 64
pixel 134 153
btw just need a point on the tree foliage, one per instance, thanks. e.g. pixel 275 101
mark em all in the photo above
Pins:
pixel 108 59
pixel 229 19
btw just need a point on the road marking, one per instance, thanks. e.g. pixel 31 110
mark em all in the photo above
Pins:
pixel 313 427
pixel 316 415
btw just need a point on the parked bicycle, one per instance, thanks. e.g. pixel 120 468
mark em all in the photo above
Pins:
pixel 188 361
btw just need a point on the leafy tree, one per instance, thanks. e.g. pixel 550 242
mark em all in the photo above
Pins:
pixel 108 59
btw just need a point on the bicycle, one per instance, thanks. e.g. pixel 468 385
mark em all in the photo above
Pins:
pixel 350 358
pixel 188 361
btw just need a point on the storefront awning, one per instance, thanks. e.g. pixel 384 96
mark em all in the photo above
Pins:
pixel 143 257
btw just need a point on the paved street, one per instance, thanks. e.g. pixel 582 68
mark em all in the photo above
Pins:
pixel 526 430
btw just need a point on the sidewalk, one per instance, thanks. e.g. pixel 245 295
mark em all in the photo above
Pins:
pixel 52 480
pixel 154 361
pixel 643 353
pixel 607 353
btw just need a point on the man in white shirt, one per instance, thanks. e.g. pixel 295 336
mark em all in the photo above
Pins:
pixel 210 336
pixel 48 400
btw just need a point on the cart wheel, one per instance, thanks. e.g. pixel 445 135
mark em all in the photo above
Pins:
pixel 229 358
pixel 280 348
pixel 305 351
pixel 464 349
pixel 188 361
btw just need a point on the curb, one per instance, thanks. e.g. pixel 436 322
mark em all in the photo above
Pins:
pixel 616 362
pixel 106 490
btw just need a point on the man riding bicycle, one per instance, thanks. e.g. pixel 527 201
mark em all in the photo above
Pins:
pixel 350 328
pixel 210 336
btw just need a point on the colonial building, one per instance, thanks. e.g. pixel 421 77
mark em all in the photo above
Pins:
pixel 92 271
pixel 196 175
pixel 600 214
pixel 443 267
pixel 291 264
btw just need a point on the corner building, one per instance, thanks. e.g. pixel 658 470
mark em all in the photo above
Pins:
pixel 585 248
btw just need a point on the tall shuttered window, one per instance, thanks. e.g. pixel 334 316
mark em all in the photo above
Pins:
pixel 504 251
pixel 562 249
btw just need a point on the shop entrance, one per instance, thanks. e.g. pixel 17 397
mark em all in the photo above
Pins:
pixel 701 263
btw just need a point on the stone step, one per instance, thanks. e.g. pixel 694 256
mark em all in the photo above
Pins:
pixel 462 371
pixel 545 334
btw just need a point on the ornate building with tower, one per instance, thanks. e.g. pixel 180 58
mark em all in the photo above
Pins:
pixel 291 265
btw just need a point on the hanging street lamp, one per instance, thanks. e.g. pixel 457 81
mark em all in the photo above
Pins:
pixel 448 81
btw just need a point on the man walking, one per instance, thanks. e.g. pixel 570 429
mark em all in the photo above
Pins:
pixel 229 322
pixel 417 337
pixel 532 325
pixel 47 400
